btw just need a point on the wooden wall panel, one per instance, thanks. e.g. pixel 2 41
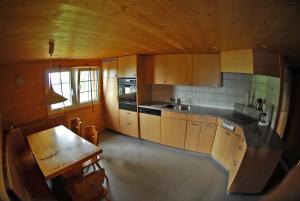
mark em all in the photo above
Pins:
pixel 21 104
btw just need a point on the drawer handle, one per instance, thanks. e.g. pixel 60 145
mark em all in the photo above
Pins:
pixel 227 133
pixel 128 113
pixel 194 124
pixel 129 123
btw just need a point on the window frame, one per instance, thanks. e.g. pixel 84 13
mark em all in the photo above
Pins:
pixel 90 80
pixel 74 83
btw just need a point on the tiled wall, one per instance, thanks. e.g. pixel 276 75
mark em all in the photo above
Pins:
pixel 234 89
pixel 268 88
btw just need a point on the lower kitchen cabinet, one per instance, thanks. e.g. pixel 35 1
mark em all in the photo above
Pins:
pixel 207 136
pixel 219 145
pixel 192 136
pixel 128 123
pixel 252 168
pixel 150 127
pixel 200 137
pixel 173 132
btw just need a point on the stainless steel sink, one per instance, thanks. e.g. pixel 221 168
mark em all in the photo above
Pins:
pixel 179 107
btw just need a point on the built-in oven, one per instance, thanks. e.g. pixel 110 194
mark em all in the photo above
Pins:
pixel 127 94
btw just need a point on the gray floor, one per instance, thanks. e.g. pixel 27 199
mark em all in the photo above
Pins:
pixel 139 170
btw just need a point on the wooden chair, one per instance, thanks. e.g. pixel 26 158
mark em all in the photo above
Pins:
pixel 89 187
pixel 91 135
pixel 76 126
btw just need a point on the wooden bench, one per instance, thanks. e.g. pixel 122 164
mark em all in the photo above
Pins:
pixel 24 178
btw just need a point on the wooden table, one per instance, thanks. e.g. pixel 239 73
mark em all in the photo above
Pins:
pixel 59 150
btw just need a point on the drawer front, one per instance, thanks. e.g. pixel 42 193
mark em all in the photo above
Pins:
pixel 202 119
pixel 129 116
pixel 175 115
pixel 129 128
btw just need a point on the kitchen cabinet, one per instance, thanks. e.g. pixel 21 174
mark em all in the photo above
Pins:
pixel 129 123
pixel 109 68
pixel 219 145
pixel 192 136
pixel 252 168
pixel 173 129
pixel 156 69
pixel 207 136
pixel 179 69
pixel 252 61
pixel 150 127
pixel 206 70
pixel 127 66
pixel 111 103
pixel 231 144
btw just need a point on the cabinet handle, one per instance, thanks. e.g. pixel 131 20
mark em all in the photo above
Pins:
pixel 165 81
pixel 227 133
pixel 195 124
pixel 240 148
pixel 116 75
pixel 129 123
pixel 128 113
pixel 234 163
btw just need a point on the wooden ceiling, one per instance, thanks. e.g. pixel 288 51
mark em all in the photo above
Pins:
pixel 106 28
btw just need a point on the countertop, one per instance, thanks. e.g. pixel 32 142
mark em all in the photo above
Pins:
pixel 255 136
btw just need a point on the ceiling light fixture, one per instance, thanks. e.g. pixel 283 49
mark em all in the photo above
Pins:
pixel 52 97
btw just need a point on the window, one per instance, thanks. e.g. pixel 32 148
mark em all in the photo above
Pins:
pixel 88 85
pixel 79 85
pixel 61 83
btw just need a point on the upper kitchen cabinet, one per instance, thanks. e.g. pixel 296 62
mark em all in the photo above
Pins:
pixel 179 69
pixel 156 69
pixel 109 68
pixel 206 70
pixel 127 66
pixel 253 61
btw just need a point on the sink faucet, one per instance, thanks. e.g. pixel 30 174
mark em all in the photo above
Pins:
pixel 173 101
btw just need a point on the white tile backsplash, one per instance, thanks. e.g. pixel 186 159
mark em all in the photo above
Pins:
pixel 234 89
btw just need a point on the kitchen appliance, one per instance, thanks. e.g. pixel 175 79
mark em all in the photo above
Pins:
pixel 266 115
pixel 150 111
pixel 127 94
pixel 258 104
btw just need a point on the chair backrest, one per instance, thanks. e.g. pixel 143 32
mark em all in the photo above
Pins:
pixel 91 134
pixel 76 126
pixel 90 186
pixel 15 181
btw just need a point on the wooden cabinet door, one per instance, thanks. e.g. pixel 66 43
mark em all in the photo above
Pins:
pixel 129 128
pixel 127 66
pixel 207 136
pixel 219 145
pixel 206 70
pixel 173 132
pixel 237 61
pixel 109 68
pixel 236 161
pixel 179 69
pixel 192 136
pixel 150 127
pixel 111 103
pixel 230 149
pixel 156 69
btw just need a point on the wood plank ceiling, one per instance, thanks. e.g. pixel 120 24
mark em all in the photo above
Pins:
pixel 105 28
